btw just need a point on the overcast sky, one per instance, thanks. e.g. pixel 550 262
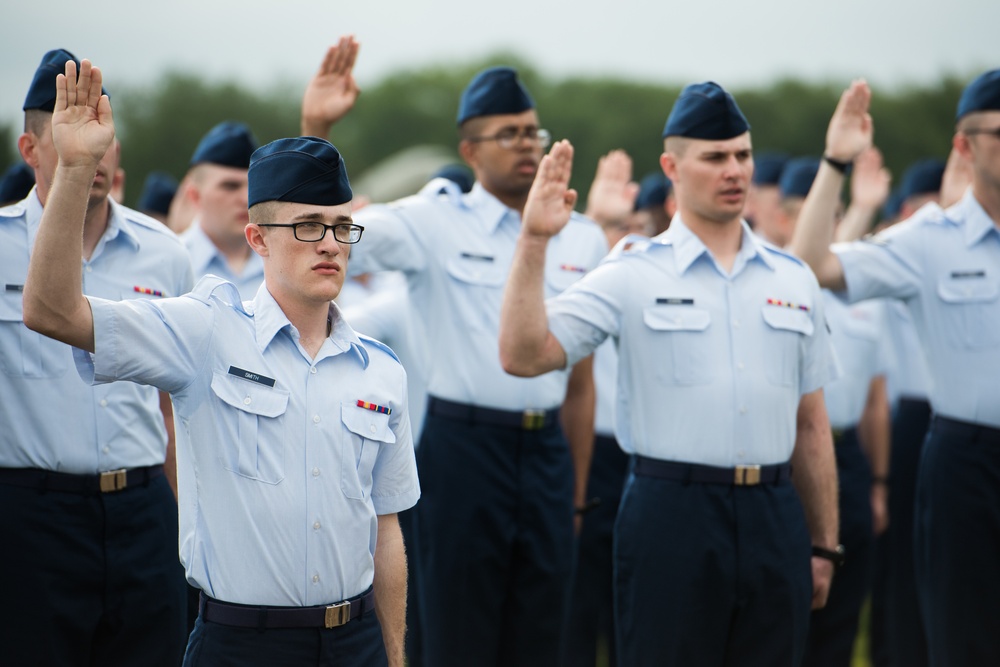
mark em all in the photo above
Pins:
pixel 735 42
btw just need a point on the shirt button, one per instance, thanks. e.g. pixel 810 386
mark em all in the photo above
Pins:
pixel 743 410
pixel 105 449
pixel 372 428
pixel 104 402
pixel 246 401
pixel 316 526
pixel 88 269
pixel 312 370
pixel 740 365
pixel 315 419
pixel 736 324
pixel 315 578
pixel 315 472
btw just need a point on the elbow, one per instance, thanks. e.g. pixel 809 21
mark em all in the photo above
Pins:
pixel 34 315
pixel 513 365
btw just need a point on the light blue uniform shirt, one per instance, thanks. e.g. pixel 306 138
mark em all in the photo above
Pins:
pixel 858 334
pixel 50 418
pixel 280 472
pixel 456 252
pixel 605 382
pixel 711 366
pixel 946 266
pixel 908 375
pixel 207 259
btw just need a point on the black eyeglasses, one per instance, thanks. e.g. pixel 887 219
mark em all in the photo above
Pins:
pixel 509 137
pixel 313 232
pixel 982 130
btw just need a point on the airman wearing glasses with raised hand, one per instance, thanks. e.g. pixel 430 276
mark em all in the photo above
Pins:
pixel 294 447
pixel 498 478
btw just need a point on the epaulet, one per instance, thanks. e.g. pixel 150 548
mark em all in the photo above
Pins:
pixel 634 244
pixel 442 188
pixel 368 341
pixel 14 210
pixel 225 291
pixel 142 220
pixel 780 252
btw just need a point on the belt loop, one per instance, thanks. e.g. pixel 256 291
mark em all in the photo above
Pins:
pixel 261 619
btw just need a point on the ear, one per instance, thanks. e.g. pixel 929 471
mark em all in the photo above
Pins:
pixel 668 163
pixel 467 150
pixel 256 239
pixel 26 146
pixel 962 144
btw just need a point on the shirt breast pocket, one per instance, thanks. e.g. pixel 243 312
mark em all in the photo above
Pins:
pixel 679 332
pixel 970 316
pixel 788 328
pixel 367 432
pixel 249 421
pixel 476 270
pixel 23 352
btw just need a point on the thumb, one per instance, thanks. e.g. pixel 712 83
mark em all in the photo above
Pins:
pixel 104 114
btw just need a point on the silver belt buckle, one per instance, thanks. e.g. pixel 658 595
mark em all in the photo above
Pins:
pixel 337 614
pixel 113 480
pixel 746 476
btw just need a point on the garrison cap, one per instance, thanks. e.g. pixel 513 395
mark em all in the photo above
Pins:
pixel 893 204
pixel 157 192
pixel 767 168
pixel 492 92
pixel 16 183
pixel 42 92
pixel 229 144
pixel 305 170
pixel 458 174
pixel 798 176
pixel 983 94
pixel 705 111
pixel 921 178
pixel 654 189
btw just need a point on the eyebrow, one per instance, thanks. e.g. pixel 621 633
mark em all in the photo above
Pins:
pixel 318 217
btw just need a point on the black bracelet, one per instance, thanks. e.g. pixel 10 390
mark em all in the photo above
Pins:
pixel 841 167
pixel 835 555
pixel 589 505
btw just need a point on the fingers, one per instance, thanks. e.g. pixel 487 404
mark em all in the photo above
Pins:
pixel 560 161
pixel 96 80
pixel 616 166
pixel 71 82
pixel 340 58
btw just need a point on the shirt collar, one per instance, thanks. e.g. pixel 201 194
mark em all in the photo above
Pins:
pixel 688 247
pixel 490 210
pixel 969 213
pixel 118 223
pixel 269 319
pixel 200 247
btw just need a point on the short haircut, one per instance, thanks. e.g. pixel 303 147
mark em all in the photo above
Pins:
pixel 36 120
pixel 263 213
pixel 676 144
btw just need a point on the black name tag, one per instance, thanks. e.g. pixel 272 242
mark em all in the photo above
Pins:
pixel 674 301
pixel 14 288
pixel 253 377
pixel 968 274
pixel 480 258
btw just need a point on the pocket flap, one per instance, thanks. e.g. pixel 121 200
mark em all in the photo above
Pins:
pixel 476 271
pixel 790 319
pixel 11 305
pixel 249 396
pixel 368 424
pixel 968 290
pixel 676 318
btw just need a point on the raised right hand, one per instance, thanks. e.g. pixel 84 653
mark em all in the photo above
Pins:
pixel 551 201
pixel 850 130
pixel 82 124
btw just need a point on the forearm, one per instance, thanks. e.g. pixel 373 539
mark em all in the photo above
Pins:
pixel 856 223
pixel 54 304
pixel 875 428
pixel 527 348
pixel 577 416
pixel 390 587
pixel 815 227
pixel 315 127
pixel 815 476
pixel 170 460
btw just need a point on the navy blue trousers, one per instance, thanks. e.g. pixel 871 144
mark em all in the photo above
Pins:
pixel 91 579
pixel 711 575
pixel 355 644
pixel 957 543
pixel 905 641
pixel 496 541
pixel 833 628
pixel 591 610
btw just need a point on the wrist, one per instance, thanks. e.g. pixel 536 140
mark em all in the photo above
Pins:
pixel 839 164
pixel 834 555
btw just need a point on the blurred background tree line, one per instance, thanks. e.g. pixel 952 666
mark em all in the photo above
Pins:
pixel 161 123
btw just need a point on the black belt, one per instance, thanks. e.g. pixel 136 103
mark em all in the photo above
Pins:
pixel 249 616
pixel 528 420
pixel 703 474
pixel 105 482
pixel 842 435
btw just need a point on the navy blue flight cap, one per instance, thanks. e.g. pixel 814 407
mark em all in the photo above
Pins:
pixel 921 178
pixel 893 204
pixel 705 111
pixel 798 176
pixel 229 144
pixel 492 92
pixel 983 94
pixel 305 170
pixel 458 174
pixel 654 189
pixel 42 92
pixel 16 183
pixel 767 168
pixel 157 192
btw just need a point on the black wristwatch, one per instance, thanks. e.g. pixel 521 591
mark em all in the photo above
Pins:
pixel 835 555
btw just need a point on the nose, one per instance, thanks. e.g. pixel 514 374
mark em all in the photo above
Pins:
pixel 328 245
